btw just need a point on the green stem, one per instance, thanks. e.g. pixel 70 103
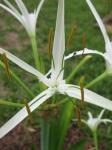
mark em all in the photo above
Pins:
pixel 3 102
pixel 97 79
pixel 38 60
pixel 95 140
pixel 36 53
pixel 19 82
pixel 85 59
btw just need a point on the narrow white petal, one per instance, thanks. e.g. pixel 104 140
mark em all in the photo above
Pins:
pixel 22 7
pixel 24 66
pixel 12 7
pixel 101 25
pixel 11 12
pixel 106 120
pixel 90 115
pixel 59 42
pixel 39 8
pixel 48 73
pixel 89 96
pixel 22 19
pixel 22 114
pixel 101 114
pixel 83 52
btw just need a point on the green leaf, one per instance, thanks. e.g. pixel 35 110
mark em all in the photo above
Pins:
pixel 78 146
pixel 53 134
pixel 44 135
pixel 65 119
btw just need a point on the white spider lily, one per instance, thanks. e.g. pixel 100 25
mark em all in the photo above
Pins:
pixel 93 123
pixel 56 82
pixel 108 44
pixel 28 20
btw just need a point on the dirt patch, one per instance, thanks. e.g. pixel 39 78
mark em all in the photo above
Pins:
pixel 22 138
pixel 12 41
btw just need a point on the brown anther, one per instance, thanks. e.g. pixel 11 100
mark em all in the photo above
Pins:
pixel 28 110
pixel 5 61
pixel 82 90
pixel 70 36
pixel 78 114
pixel 50 42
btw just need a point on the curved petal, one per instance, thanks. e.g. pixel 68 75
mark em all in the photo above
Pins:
pixel 22 114
pixel 101 114
pixel 59 43
pixel 22 8
pixel 83 52
pixel 89 96
pixel 101 25
pixel 39 8
pixel 25 66
pixel 12 7
pixel 90 115
pixel 11 12
pixel 106 120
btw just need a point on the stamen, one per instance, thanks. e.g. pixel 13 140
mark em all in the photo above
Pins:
pixel 78 114
pixel 50 42
pixel 82 90
pixel 70 36
pixel 28 110
pixel 5 61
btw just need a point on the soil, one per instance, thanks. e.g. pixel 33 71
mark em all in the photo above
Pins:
pixel 22 138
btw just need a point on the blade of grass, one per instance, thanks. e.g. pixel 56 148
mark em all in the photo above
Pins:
pixel 7 103
pixel 82 62
pixel 19 82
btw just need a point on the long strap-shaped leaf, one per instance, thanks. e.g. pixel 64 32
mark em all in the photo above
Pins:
pixel 24 66
pixel 89 96
pixel 101 25
pixel 22 114
pixel 59 42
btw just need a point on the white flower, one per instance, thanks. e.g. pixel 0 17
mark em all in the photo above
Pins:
pixel 28 20
pixel 107 55
pixel 56 82
pixel 93 123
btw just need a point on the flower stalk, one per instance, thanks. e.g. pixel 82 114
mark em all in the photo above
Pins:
pixel 36 53
pixel 95 139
